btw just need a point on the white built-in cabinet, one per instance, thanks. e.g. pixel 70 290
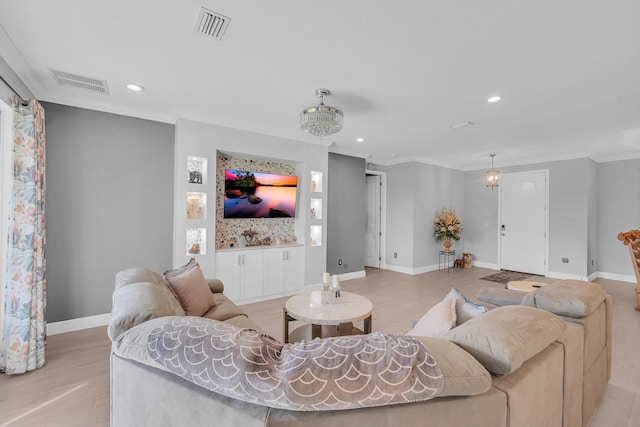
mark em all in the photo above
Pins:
pixel 282 270
pixel 241 273
pixel 254 273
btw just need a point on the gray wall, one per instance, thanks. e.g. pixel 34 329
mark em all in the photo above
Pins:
pixel 346 213
pixel 414 192
pixel 568 214
pixel 435 188
pixel 400 214
pixel 480 214
pixel 109 204
pixel 618 210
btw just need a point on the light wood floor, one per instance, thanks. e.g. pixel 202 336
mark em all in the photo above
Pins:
pixel 73 387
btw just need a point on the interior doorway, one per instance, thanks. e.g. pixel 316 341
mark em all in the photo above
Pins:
pixel 375 236
pixel 524 222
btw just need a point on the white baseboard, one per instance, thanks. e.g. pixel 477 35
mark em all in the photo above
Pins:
pixel 72 325
pixel 353 275
pixel 564 276
pixel 487 265
pixel 616 276
pixel 398 268
pixel 409 270
pixel 592 276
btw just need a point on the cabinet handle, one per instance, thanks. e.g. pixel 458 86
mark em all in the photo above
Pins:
pixel 239 260
pixel 287 255
pixel 242 259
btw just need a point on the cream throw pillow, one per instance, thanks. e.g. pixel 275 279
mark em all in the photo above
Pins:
pixel 193 291
pixel 438 320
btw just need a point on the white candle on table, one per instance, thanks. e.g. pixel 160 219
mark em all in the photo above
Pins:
pixel 336 281
pixel 325 277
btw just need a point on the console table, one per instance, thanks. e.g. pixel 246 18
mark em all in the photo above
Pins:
pixel 325 320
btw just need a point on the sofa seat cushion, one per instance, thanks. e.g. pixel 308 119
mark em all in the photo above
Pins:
pixel 504 338
pixel 140 295
pixel 572 298
pixel 323 374
pixel 225 309
pixel 463 374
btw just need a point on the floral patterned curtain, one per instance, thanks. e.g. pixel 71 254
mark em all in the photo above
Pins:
pixel 24 331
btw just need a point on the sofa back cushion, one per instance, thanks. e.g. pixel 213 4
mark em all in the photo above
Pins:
pixel 504 338
pixel 572 298
pixel 140 295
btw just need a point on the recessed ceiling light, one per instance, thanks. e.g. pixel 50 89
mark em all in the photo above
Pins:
pixel 494 99
pixel 134 87
pixel 360 139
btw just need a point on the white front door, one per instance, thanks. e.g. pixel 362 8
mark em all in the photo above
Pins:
pixel 372 228
pixel 523 222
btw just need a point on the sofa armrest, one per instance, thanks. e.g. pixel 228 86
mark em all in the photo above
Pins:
pixel 216 286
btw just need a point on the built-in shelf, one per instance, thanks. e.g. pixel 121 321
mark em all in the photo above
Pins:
pixel 315 211
pixel 315 235
pixel 316 182
pixel 196 205
pixel 196 241
pixel 197 170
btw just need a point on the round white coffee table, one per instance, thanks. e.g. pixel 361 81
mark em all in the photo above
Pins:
pixel 324 320
pixel 524 285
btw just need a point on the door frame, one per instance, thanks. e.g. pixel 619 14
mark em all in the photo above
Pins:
pixel 546 215
pixel 383 214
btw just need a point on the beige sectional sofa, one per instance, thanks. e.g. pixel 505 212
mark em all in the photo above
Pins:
pixel 581 303
pixel 513 366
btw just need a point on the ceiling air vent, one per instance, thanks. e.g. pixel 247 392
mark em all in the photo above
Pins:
pixel 80 82
pixel 211 23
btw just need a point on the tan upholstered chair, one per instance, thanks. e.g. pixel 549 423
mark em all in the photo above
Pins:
pixel 632 239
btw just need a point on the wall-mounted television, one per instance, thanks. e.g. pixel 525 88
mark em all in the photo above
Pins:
pixel 250 194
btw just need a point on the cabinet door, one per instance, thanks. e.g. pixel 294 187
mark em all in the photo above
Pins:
pixel 274 271
pixel 228 271
pixel 293 269
pixel 252 274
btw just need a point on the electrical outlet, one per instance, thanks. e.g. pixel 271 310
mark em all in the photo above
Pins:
pixel 340 261
pixel 565 260
pixel 591 262
pixel 395 254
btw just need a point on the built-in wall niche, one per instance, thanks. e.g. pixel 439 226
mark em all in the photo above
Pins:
pixel 315 238
pixel 315 211
pixel 316 182
pixel 196 241
pixel 197 170
pixel 196 205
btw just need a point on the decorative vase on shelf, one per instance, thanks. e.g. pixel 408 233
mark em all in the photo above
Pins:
pixel 313 186
pixel 446 241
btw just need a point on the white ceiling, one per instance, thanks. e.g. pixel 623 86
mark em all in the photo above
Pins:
pixel 403 71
